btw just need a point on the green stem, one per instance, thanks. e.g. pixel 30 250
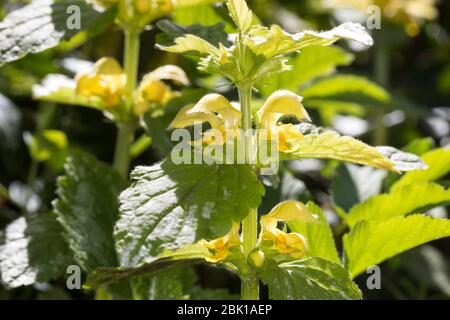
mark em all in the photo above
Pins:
pixel 122 150
pixel 125 131
pixel 381 71
pixel 131 61
pixel 250 281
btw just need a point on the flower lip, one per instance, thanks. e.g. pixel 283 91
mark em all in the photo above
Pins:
pixel 279 103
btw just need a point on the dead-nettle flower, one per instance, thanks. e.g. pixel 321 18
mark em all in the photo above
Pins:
pixel 104 84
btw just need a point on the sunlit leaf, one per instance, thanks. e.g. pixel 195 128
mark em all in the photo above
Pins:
pixel 44 24
pixel 169 206
pixel 331 145
pixel 438 162
pixel 416 197
pixel 370 243
pixel 241 14
pixel 275 41
pixel 33 250
pixel 309 279
pixel 309 64
pixel 318 235
pixel 87 209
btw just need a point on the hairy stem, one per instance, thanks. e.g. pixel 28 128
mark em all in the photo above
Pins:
pixel 126 131
pixel 122 149
pixel 250 281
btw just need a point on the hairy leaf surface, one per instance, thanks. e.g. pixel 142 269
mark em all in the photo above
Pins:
pixel 438 162
pixel 370 243
pixel 44 24
pixel 87 208
pixel 399 202
pixel 311 278
pixel 318 235
pixel 33 250
pixel 168 206
pixel 331 145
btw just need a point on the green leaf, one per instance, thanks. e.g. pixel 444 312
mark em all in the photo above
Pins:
pixel 213 35
pixel 438 162
pixel 275 41
pixel 205 15
pixel 48 145
pixel 331 145
pixel 318 235
pixel 311 63
pixel 33 250
pixel 87 208
pixel 169 205
pixel 400 202
pixel 311 278
pixel 241 14
pixel 44 24
pixel 172 284
pixel 59 88
pixel 370 243
pixel 419 146
pixel 347 89
pixel 187 254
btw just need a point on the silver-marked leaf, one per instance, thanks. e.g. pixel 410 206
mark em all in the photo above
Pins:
pixel 33 250
pixel 404 161
pixel 43 24
pixel 438 162
pixel 309 279
pixel 168 206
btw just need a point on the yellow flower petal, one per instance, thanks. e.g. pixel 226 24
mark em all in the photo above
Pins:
pixel 285 243
pixel 216 103
pixel 186 118
pixel 154 90
pixel 281 103
pixel 288 134
pixel 220 248
pixel 291 210
pixel 169 72
pixel 105 80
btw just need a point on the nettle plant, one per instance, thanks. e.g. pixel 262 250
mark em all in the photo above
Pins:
pixel 132 240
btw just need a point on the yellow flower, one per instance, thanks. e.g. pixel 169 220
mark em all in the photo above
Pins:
pixel 152 90
pixel 105 81
pixel 220 248
pixel 214 109
pixel 293 244
pixel 281 103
